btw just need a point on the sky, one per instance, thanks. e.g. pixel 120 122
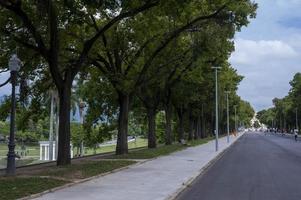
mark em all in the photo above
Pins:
pixel 268 52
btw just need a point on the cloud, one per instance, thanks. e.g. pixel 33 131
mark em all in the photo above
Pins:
pixel 250 51
pixel 268 66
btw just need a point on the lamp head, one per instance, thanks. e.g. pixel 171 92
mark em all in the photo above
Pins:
pixel 14 63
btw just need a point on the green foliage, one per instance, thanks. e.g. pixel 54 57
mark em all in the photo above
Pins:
pixel 4 108
pixel 160 127
pixel 283 114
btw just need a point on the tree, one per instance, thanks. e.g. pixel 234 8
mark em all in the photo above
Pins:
pixel 63 50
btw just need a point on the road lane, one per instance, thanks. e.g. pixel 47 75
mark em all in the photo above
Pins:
pixel 257 167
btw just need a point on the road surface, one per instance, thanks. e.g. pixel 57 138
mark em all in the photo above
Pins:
pixel 257 167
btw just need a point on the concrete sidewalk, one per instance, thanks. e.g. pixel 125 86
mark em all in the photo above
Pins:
pixel 156 179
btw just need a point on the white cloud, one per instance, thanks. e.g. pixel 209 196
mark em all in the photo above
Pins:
pixel 248 51
pixel 268 66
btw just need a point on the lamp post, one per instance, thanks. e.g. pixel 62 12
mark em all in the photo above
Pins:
pixel 14 67
pixel 235 119
pixel 216 107
pixel 297 119
pixel 228 126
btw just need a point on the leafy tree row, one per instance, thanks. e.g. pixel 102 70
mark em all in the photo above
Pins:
pixel 147 53
pixel 285 115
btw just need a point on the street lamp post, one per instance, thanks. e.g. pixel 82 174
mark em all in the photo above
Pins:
pixel 235 118
pixel 297 119
pixel 216 107
pixel 14 67
pixel 228 123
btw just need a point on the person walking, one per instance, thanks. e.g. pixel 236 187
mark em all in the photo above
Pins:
pixel 296 134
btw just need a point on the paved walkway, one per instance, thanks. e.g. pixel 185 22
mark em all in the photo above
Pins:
pixel 153 180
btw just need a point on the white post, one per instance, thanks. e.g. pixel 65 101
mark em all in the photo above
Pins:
pixel 41 155
pixel 228 126
pixel 216 109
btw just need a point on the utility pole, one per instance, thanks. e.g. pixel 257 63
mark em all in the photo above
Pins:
pixel 216 107
pixel 297 127
pixel 228 123
pixel 235 118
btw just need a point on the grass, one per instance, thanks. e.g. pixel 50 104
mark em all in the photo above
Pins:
pixel 200 141
pixel 51 177
pixel 140 142
pixel 34 152
pixel 85 169
pixel 160 150
pixel 151 153
pixel 14 188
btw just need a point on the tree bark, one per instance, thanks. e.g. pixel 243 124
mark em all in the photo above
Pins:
pixel 195 122
pixel 181 123
pixel 168 117
pixel 122 141
pixel 64 123
pixel 151 115
pixel 191 127
pixel 199 127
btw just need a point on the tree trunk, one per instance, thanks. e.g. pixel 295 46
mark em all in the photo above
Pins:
pixel 151 115
pixel 64 124
pixel 181 123
pixel 199 127
pixel 122 141
pixel 191 127
pixel 168 116
pixel 203 123
pixel 195 122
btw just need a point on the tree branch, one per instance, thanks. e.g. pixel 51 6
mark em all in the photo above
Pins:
pixel 6 82
pixel 173 35
pixel 89 43
pixel 16 8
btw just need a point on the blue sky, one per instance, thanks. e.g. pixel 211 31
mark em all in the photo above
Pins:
pixel 268 52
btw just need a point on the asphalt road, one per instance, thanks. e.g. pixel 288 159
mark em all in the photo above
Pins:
pixel 257 167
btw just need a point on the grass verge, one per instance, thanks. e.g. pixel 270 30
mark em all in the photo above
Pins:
pixel 14 188
pixel 150 153
pixel 51 177
pixel 160 150
pixel 85 169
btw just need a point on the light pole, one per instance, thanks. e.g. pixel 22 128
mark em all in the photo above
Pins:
pixel 235 118
pixel 216 107
pixel 228 126
pixel 297 119
pixel 14 67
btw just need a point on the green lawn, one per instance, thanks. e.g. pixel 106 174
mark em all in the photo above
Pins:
pixel 14 188
pixel 85 169
pixel 18 187
pixel 160 150
pixel 140 142
pixel 34 152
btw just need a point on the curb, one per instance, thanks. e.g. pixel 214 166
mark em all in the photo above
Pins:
pixel 201 172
